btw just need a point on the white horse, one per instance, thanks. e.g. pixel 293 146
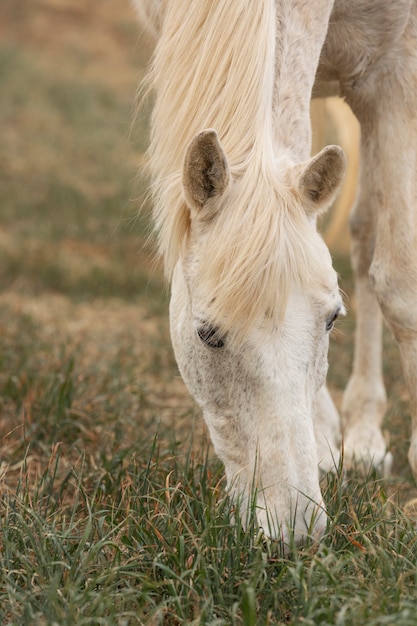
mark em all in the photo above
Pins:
pixel 254 294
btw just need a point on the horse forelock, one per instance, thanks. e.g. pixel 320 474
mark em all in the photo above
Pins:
pixel 260 246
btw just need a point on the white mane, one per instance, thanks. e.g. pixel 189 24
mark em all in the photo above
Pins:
pixel 214 68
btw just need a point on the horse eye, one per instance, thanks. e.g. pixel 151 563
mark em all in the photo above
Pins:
pixel 210 336
pixel 331 320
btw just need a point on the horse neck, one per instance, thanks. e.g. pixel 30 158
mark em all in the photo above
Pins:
pixel 301 28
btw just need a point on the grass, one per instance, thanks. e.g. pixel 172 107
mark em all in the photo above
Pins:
pixel 149 539
pixel 113 507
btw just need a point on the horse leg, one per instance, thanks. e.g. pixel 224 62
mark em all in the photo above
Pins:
pixel 384 255
pixel 393 272
pixel 326 431
pixel 364 401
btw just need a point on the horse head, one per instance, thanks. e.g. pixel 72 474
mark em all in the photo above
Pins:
pixel 254 298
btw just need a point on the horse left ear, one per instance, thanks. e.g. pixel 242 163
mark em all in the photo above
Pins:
pixel 206 172
pixel 320 179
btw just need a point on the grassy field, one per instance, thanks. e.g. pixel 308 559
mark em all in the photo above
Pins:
pixel 113 507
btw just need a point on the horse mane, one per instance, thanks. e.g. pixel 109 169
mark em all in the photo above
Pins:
pixel 213 67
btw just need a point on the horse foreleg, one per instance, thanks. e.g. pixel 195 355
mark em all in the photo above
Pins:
pixel 326 431
pixel 364 401
pixel 393 274
pixel 384 237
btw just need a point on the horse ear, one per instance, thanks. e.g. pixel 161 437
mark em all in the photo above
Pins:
pixel 320 179
pixel 206 172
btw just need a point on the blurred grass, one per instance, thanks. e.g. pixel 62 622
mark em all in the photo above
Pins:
pixel 68 163
pixel 150 540
pixel 81 299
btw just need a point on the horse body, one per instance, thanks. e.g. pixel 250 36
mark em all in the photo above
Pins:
pixel 254 295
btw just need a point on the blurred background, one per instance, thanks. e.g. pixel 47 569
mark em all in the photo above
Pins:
pixel 83 308
pixel 70 149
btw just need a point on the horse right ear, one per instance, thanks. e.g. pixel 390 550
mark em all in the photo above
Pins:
pixel 206 172
pixel 319 179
